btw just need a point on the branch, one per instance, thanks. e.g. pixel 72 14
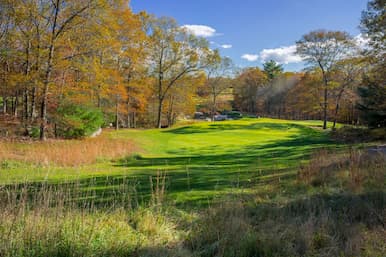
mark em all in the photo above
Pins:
pixel 182 73
pixel 73 16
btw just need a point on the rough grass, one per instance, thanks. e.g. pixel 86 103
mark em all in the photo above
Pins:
pixel 65 152
pixel 350 169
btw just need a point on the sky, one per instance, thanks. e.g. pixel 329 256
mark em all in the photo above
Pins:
pixel 254 31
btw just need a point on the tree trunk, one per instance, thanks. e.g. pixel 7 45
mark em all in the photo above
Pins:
pixel 26 88
pixel 128 118
pixel 47 77
pixel 26 114
pixel 337 107
pixel 15 104
pixel 325 104
pixel 33 104
pixel 159 112
pixel 116 112
pixel 160 94
pixel 33 113
pixel 170 111
pixel 214 106
pixel 325 107
pixel 43 114
pixel 5 99
pixel 133 122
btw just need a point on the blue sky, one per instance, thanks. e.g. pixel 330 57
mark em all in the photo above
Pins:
pixel 252 31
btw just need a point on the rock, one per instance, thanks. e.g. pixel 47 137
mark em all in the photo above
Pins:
pixel 96 133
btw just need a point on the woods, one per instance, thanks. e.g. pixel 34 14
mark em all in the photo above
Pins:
pixel 138 70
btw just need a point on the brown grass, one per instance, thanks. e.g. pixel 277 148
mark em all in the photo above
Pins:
pixel 65 152
pixel 354 168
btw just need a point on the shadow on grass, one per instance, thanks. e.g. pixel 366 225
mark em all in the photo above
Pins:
pixel 198 177
pixel 333 223
pixel 215 127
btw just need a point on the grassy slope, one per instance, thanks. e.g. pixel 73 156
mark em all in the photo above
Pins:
pixel 201 160
pixel 207 159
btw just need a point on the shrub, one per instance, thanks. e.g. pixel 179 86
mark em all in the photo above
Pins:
pixel 348 134
pixel 34 132
pixel 76 121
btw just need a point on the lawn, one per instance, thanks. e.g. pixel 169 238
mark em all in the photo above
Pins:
pixel 195 162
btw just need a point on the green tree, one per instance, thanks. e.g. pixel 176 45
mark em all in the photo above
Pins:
pixel 373 25
pixel 373 89
pixel 373 103
pixel 272 69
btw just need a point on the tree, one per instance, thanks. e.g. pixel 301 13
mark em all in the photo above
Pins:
pixel 246 89
pixel 63 16
pixel 373 88
pixel 303 100
pixel 6 22
pixel 218 71
pixel 272 69
pixel 181 99
pixel 173 54
pixel 85 52
pixel 345 75
pixel 373 103
pixel 373 26
pixel 322 49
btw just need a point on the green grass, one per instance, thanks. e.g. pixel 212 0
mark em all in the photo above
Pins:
pixel 201 160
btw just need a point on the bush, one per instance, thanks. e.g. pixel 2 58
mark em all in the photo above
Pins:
pixel 349 134
pixel 373 103
pixel 76 121
pixel 34 132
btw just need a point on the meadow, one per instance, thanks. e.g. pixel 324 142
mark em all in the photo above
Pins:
pixel 249 187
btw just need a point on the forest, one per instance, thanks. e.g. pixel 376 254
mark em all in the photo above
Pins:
pixel 69 67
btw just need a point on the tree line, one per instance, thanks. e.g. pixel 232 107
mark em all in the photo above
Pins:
pixel 70 66
pixel 344 80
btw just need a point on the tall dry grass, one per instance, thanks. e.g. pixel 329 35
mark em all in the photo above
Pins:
pixel 65 152
pixel 69 219
pixel 340 211
pixel 354 169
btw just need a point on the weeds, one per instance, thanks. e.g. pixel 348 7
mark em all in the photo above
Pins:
pixel 69 219
pixel 354 169
pixel 65 152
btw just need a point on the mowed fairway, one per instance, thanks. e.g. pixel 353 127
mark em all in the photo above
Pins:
pixel 198 162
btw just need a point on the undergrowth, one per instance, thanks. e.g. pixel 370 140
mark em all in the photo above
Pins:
pixel 65 152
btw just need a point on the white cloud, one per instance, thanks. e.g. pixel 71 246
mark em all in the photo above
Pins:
pixel 282 55
pixel 226 46
pixel 250 57
pixel 200 30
